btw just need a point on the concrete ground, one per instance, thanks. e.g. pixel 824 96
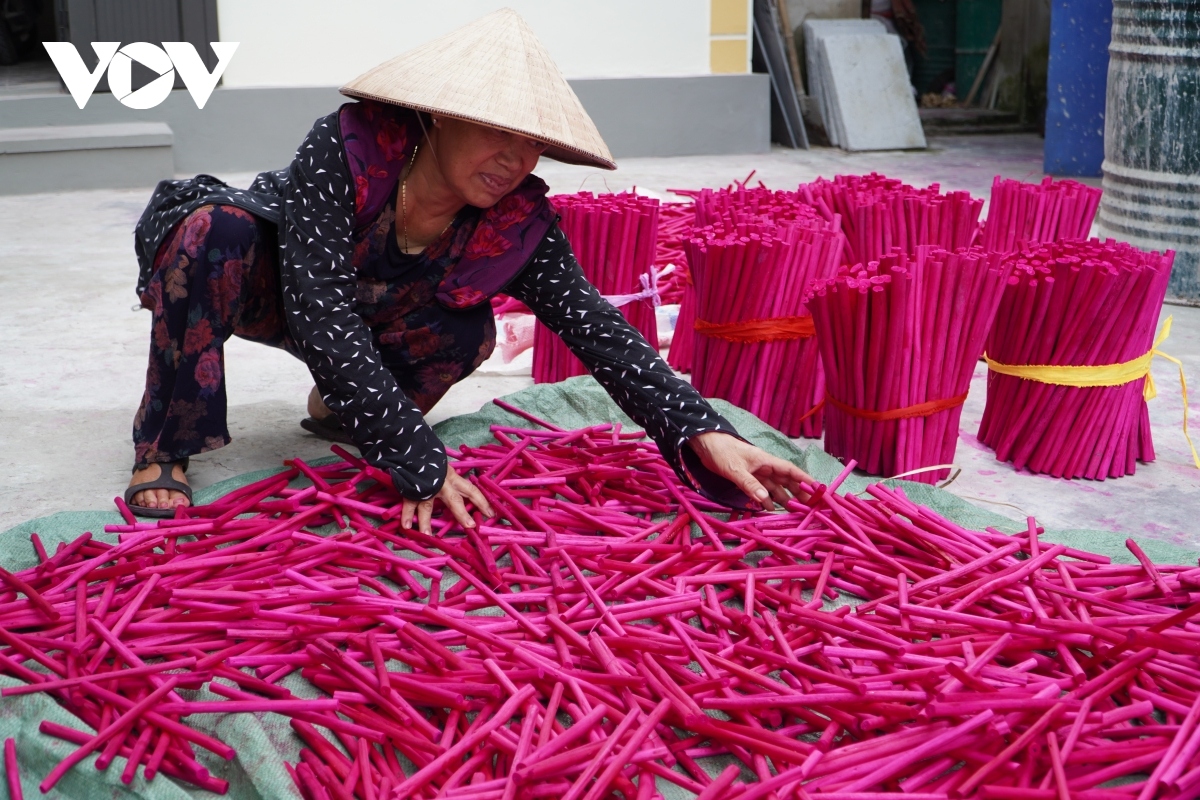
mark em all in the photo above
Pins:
pixel 73 351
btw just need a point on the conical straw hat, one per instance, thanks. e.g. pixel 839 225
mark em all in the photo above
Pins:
pixel 493 71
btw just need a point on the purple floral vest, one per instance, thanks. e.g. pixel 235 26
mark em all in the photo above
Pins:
pixel 379 139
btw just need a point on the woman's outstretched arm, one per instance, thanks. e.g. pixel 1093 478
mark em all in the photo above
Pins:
pixel 673 413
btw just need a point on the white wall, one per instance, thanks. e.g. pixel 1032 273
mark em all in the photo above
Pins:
pixel 325 43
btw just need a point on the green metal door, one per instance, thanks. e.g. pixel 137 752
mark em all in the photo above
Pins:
pixel 936 68
pixel 975 29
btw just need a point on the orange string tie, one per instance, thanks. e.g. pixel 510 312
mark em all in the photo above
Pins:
pixel 753 331
pixel 925 409
pixel 820 404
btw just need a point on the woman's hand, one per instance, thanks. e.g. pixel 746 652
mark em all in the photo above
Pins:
pixel 762 476
pixel 455 492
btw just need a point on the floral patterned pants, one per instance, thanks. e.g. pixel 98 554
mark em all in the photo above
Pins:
pixel 215 276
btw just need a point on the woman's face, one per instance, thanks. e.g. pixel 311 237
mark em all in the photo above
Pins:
pixel 482 164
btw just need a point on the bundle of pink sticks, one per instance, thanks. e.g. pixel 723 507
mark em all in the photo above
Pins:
pixel 899 341
pixel 1082 303
pixel 1023 213
pixel 726 209
pixel 614 237
pixel 753 336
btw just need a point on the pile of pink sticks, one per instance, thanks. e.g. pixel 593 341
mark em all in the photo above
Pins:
pixel 610 631
pixel 615 239
pixel 899 342
pixel 1082 303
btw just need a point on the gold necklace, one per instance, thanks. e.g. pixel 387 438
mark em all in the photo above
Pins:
pixel 404 202
pixel 404 196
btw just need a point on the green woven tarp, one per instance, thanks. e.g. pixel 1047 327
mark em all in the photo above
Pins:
pixel 264 742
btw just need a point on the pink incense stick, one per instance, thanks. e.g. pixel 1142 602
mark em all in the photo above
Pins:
pixel 12 771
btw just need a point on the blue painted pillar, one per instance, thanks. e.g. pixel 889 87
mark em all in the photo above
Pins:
pixel 1080 31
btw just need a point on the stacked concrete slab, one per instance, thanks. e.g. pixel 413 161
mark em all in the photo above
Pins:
pixel 859 85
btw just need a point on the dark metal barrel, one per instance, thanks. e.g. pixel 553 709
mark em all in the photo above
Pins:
pixel 1152 134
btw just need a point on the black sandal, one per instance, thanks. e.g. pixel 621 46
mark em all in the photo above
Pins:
pixel 163 481
pixel 327 428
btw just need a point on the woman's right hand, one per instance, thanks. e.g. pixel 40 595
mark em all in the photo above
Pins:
pixel 456 491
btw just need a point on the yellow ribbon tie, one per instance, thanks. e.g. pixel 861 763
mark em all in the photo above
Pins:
pixel 1106 375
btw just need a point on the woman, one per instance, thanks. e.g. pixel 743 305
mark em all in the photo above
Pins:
pixel 374 256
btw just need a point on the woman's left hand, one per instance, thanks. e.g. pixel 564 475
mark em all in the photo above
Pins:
pixel 455 493
pixel 762 476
